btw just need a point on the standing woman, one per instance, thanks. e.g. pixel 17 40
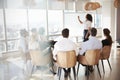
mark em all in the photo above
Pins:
pixel 87 26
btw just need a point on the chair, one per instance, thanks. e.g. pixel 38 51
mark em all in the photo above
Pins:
pixel 91 58
pixel 105 54
pixel 66 59
pixel 38 58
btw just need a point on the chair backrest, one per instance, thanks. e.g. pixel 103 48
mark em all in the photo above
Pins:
pixel 66 59
pixel 105 53
pixel 92 56
pixel 39 58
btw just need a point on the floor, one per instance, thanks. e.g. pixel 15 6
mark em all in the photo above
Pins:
pixel 11 68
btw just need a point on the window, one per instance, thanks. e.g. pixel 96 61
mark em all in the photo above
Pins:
pixel 98 20
pixel 16 19
pixel 55 22
pixel 2 46
pixel 37 19
pixel 2 32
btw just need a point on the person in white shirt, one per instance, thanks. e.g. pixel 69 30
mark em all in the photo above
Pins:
pixel 23 43
pixel 87 26
pixel 23 47
pixel 92 43
pixel 64 45
pixel 33 41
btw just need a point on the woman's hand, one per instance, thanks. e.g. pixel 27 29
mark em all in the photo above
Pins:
pixel 79 20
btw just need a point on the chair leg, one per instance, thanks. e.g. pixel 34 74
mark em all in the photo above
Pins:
pixel 32 69
pixel 53 71
pixel 109 64
pixel 74 72
pixel 59 72
pixel 87 72
pixel 103 66
pixel 98 70
pixel 78 69
pixel 69 71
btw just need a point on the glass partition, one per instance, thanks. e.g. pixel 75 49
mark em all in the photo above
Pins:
pixel 37 19
pixel 52 15
pixel 16 19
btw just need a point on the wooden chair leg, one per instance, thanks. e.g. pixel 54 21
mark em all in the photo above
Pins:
pixel 69 72
pixel 78 69
pixel 53 71
pixel 74 72
pixel 109 64
pixel 103 66
pixel 32 69
pixel 98 70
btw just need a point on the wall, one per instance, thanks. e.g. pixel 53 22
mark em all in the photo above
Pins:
pixel 118 24
pixel 108 17
pixel 113 21
pixel 106 14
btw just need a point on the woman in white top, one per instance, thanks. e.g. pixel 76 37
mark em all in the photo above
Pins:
pixel 87 26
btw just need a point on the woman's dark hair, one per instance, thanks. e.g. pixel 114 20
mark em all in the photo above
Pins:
pixel 89 17
pixel 106 32
pixel 65 33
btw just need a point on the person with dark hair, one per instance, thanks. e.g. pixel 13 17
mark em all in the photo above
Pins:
pixel 64 45
pixel 108 39
pixel 92 43
pixel 87 26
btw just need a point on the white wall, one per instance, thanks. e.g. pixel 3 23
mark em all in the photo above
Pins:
pixel 108 17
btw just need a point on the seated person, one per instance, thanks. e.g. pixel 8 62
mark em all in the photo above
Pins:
pixel 39 42
pixel 23 47
pixel 108 39
pixel 33 41
pixel 43 41
pixel 92 43
pixel 23 44
pixel 64 45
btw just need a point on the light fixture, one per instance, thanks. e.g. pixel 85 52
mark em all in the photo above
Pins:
pixel 97 4
pixel 116 3
pixel 92 6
